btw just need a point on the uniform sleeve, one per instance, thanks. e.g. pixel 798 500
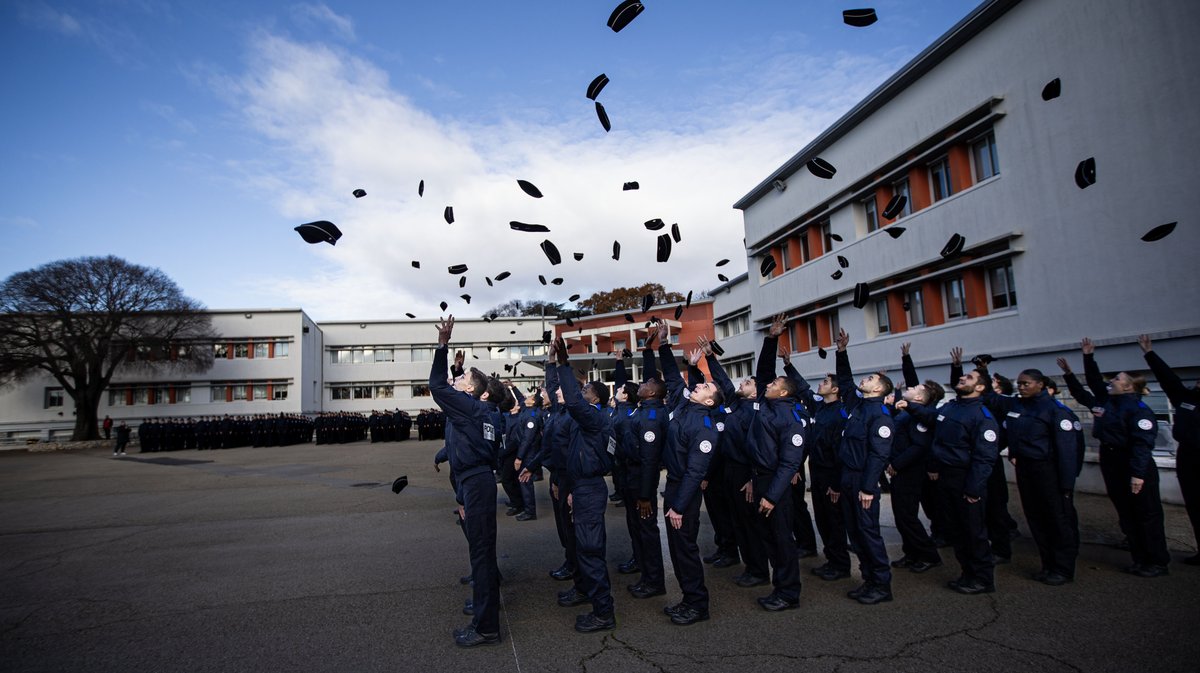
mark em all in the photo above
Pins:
pixel 589 418
pixel 910 371
pixel 649 366
pixel 956 372
pixel 456 405
pixel 764 371
pixel 701 448
pixel 671 376
pixel 517 396
pixel 530 438
pixel 650 439
pixel 552 385
pixel 802 386
pixel 879 449
pixel 695 375
pixel 985 449
pixel 1169 380
pixel 998 404
pixel 1078 392
pixel 791 454
pixel 1143 429
pixel 1095 381
pixel 620 377
pixel 905 452
pixel 721 379
pixel 845 378
pixel 1066 446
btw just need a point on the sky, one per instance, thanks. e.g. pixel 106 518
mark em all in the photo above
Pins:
pixel 194 136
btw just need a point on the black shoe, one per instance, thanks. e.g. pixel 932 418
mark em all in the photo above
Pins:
pixel 564 572
pixel 726 562
pixel 1192 560
pixel 469 607
pixel 465 579
pixel 469 637
pixel 713 558
pixel 1151 571
pixel 903 562
pixel 1055 579
pixel 830 573
pixel 512 511
pixel 862 589
pixel 877 593
pixel 972 587
pixel 571 597
pixel 620 503
pixel 672 610
pixel 923 566
pixel 643 591
pixel 775 603
pixel 615 497
pixel 746 581
pixel 687 614
pixel 629 567
pixel 1040 576
pixel 526 516
pixel 590 623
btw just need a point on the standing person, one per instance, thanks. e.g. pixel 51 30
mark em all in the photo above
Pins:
pixel 863 452
pixel 588 460
pixel 1186 431
pixel 1043 445
pixel 472 451
pixel 908 466
pixel 107 425
pixel 556 437
pixel 123 433
pixel 529 454
pixel 645 435
pixel 514 432
pixel 1126 428
pixel 964 450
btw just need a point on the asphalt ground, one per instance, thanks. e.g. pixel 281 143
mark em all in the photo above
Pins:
pixel 302 559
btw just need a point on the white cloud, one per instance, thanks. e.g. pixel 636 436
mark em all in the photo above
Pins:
pixel 44 16
pixel 321 14
pixel 335 123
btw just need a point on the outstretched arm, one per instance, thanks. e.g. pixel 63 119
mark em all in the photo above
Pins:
pixel 906 365
pixel 1169 380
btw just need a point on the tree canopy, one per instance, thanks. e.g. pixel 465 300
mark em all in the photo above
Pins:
pixel 78 320
pixel 627 298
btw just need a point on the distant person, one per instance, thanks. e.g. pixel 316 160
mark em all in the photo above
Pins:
pixel 122 438
pixel 107 426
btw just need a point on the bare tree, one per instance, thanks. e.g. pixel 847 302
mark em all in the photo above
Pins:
pixel 80 319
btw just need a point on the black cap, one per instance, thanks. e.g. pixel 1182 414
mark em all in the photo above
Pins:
pixel 982 360
pixel 359 193
pixel 466 298
pixel 501 349
pixel 557 281
pixel 894 231
pixel 1085 173
pixel 502 275
pixel 629 317
pixel 722 277
pixel 1159 232
pixel 462 281
pixel 688 301
pixel 399 484
pixel 578 256
pixel 821 168
pixel 766 266
pixel 722 263
pixel 836 275
pixel 675 232
pixel 843 262
pixel 421 188
pixel 443 305
pixel 895 206
pixel 647 302
pixel 862 294
pixel 597 86
pixel 458 268
pixel 541 279
pixel 859 18
pixel 616 250
pixel 835 237
pixel 508 368
pixel 954 246
pixel 449 215
pixel 655 224
pixel 678 312
pixel 529 188
pixel 410 315
pixel 906 306
pixel 630 186
pixel 416 264
pixel 487 318
pixel 603 116
pixel 624 13
pixel 523 226
pixel 821 353
pixel 664 248
pixel 570 323
pixel 546 337
pixel 716 348
pixel 625 352
pixel 573 297
pixel 488 280
pixel 1052 90
pixel 551 252
pixel 320 231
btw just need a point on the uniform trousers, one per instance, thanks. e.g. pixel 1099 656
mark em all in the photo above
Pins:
pixel 862 524
pixel 751 546
pixel 1187 469
pixel 907 487
pixel 508 480
pixel 966 524
pixel 685 553
pixel 562 523
pixel 720 513
pixel 776 532
pixel 1141 515
pixel 479 503
pixel 802 523
pixel 589 498
pixel 1000 523
pixel 1050 514
pixel 831 523
pixel 645 539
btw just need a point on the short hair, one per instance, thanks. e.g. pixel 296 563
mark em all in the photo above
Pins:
pixel 718 396
pixel 789 386
pixel 600 390
pixel 1050 383
pixel 480 382
pixel 886 382
pixel 982 377
pixel 1035 374
pixel 658 389
pixel 630 390
pixel 1005 383
pixel 500 395
pixel 936 392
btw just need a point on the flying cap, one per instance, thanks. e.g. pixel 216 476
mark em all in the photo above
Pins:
pixel 722 277
pixel 546 337
pixel 835 237
pixel 655 224
pixel 573 297
pixel 843 262
pixel 821 353
pixel 551 252
pixel 1085 173
pixel 603 116
pixel 597 86
pixel 557 281
pixel 488 280
pixel 578 256
pixel 449 215
pixel 541 279
pixel 399 484
pixel 688 301
pixel 678 312
pixel 862 294
pixel 502 275
pixel 466 298
pixel 320 231
pixel 443 305
pixel 410 315
pixel 529 188
pixel 462 281
pixel 716 348
pixel 624 13
pixel 416 264
pixel 1159 232
pixel 458 268
pixel 675 232
pixel 647 302
pixel 570 323
pixel 359 193
pixel 421 188
pixel 767 266
pixel 523 226
pixel 616 250
pixel 821 168
pixel 1052 90
pixel 630 186
pixel 895 232
pixel 859 18
pixel 895 206
pixel 836 275
pixel 664 248
pixel 954 246
pixel 722 263
pixel 629 317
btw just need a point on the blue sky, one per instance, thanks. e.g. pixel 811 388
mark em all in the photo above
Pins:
pixel 192 136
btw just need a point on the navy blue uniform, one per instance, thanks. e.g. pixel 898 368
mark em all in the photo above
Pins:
pixel 529 453
pixel 965 447
pixel 647 434
pixel 471 449
pixel 912 447
pixel 1186 431
pixel 556 441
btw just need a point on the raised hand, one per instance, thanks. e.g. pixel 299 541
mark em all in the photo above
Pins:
pixel 1144 342
pixel 560 350
pixel 619 355
pixel 843 340
pixel 445 329
pixel 956 356
pixel 664 333
pixel 1086 346
pixel 704 344
pixel 695 355
pixel 651 337
pixel 904 348
pixel 1062 364
pixel 785 355
pixel 778 324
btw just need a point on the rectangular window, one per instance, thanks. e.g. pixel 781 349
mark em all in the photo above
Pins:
pixel 987 162
pixel 826 236
pixel 241 351
pixel 785 260
pixel 956 305
pixel 383 355
pixel 183 351
pixel 141 396
pixel 805 252
pixel 1004 293
pixel 872 214
pixel 220 351
pixel 881 316
pixel 916 308
pixel 343 356
pixel 619 345
pixel 362 392
pixel 835 325
pixel 812 332
pixel 183 395
pixel 279 392
pixel 339 393
pixel 420 390
pixel 422 354
pixel 239 392
pixel 674 339
pixel 281 349
pixel 939 173
pixel 54 397
pixel 116 398
pixel 218 393
pixel 901 189
pixel 260 392
pixel 261 350
pixel 357 356
pixel 385 392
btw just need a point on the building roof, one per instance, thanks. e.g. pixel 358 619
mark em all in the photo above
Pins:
pixel 971 25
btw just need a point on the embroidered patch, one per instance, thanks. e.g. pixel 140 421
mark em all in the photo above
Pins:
pixel 705 446
pixel 1065 424
pixel 797 439
pixel 990 435
pixel 489 432
pixel 1013 414
pixel 885 431
pixel 1078 425
pixel 941 418
pixel 529 425
pixel 921 427
pixel 720 427
pixel 649 436
pixel 1146 424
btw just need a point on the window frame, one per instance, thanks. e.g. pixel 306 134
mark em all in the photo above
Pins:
pixel 940 167
pixel 871 210
pixel 902 186
pixel 883 323
pixel 915 298
pixel 988 141
pixel 957 283
pixel 1010 292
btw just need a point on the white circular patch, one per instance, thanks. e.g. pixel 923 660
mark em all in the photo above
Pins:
pixel 1065 424
pixel 990 435
pixel 921 427
pixel 705 446
pixel 885 431
pixel 649 436
pixel 797 439
pixel 1146 424
pixel 720 427
pixel 529 425
pixel 1078 425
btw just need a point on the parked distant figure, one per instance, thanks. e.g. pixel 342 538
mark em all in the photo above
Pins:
pixel 122 437
pixel 107 426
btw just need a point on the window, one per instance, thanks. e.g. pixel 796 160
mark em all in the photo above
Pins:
pixel 835 325
pixel 279 392
pixel 619 345
pixel 881 316
pixel 241 351
pixel 812 332
pixel 826 236
pixel 362 392
pixel 260 392
pixel 116 398
pixel 785 260
pixel 183 351
pixel 356 356
pixel 220 351
pixel 385 392
pixel 342 356
pixel 1004 293
pixel 916 308
pixel 339 393
pixel 872 214
pixel 422 355
pixel 183 395
pixel 805 253
pixel 281 349
pixel 956 305
pixel 383 355
pixel 217 393
pixel 987 162
pixel 901 189
pixel 261 350
pixel 239 392
pixel 674 339
pixel 420 390
pixel 735 325
pixel 141 396
pixel 55 397
pixel 939 173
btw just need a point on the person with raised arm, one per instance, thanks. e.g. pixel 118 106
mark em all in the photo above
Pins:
pixel 556 439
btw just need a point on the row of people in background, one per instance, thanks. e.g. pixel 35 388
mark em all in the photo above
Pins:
pixel 431 424
pixel 223 432
pixel 387 426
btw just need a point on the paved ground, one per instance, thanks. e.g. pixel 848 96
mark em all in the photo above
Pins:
pixel 301 558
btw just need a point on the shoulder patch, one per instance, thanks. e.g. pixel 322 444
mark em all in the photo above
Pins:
pixel 649 436
pixel 989 435
pixel 797 439
pixel 1146 424
pixel 705 446
pixel 529 425
pixel 653 414
pixel 720 427
pixel 885 431
pixel 1065 424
